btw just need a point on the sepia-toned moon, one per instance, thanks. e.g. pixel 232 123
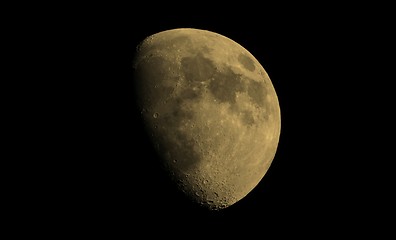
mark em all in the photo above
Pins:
pixel 211 112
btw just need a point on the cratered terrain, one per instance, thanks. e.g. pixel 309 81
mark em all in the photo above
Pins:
pixel 210 111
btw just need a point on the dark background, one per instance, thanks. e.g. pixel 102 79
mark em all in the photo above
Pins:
pixel 99 174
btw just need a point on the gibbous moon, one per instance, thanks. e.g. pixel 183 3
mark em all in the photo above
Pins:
pixel 210 111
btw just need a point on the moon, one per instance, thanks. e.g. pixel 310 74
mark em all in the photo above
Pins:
pixel 211 113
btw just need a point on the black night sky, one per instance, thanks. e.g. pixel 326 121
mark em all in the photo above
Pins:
pixel 109 180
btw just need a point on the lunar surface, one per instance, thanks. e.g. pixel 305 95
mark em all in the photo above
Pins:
pixel 210 110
